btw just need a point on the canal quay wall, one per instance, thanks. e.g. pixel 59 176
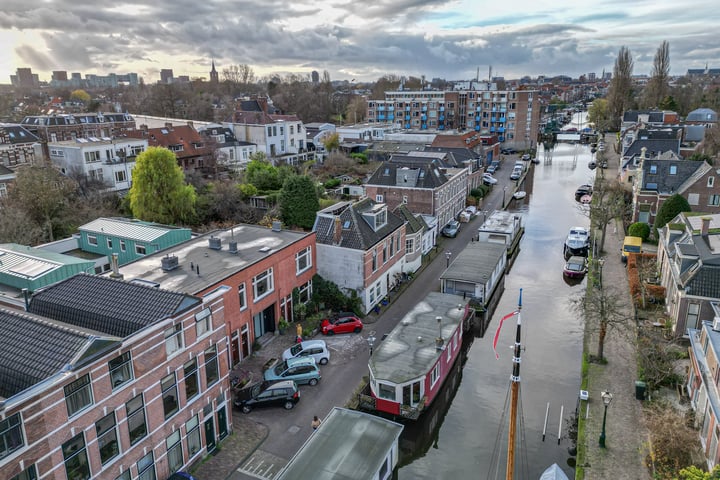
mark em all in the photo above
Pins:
pixel 627 436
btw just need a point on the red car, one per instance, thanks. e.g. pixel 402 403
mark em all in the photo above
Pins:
pixel 341 323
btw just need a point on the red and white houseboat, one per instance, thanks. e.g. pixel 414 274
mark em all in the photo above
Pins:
pixel 410 365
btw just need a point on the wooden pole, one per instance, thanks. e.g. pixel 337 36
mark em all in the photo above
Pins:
pixel 514 395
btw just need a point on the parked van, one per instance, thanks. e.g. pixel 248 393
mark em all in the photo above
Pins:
pixel 630 245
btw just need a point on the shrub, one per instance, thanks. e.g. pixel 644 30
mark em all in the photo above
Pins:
pixel 639 229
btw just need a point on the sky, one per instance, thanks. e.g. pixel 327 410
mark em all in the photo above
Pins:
pixel 354 39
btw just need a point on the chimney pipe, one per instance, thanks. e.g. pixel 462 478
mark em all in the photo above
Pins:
pixel 114 267
pixel 26 296
pixel 705 226
pixel 337 233
pixel 197 269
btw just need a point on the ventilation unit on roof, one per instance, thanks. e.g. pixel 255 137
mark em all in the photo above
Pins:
pixel 716 324
pixel 276 226
pixel 232 247
pixel 169 263
pixel 215 243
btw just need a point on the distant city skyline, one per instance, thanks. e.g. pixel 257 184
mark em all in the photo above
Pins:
pixel 353 40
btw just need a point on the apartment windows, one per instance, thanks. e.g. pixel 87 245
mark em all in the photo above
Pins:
pixel 192 427
pixel 203 322
pixel 173 339
pixel 29 473
pixel 303 260
pixel 91 157
pixel 409 246
pixel 75 457
pixel 673 169
pixel 711 182
pixel 121 370
pixel 137 426
pixel 305 292
pixel 653 169
pixel 384 253
pixel 174 451
pixel 192 382
pixel 107 438
pixel 211 365
pixel 140 249
pixel 78 395
pixel 124 476
pixel 404 199
pixel 269 131
pixel 263 284
pixel 146 468
pixel 292 129
pixel 242 296
pixel 168 386
pixel 92 240
pixel 374 260
pixel 136 150
pixel 11 435
pixel 120 176
pixel 397 242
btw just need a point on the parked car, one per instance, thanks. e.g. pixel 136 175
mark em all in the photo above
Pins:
pixel 451 229
pixel 344 322
pixel 516 174
pixel 508 151
pixel 316 349
pixel 489 179
pixel 491 168
pixel 526 157
pixel 301 370
pixel 268 394
pixel 496 164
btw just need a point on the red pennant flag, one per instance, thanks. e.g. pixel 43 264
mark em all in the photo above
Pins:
pixel 497 332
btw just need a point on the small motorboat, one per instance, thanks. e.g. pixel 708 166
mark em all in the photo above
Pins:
pixel 586 199
pixel 575 267
pixel 577 242
pixel 592 165
pixel 535 160
pixel 519 195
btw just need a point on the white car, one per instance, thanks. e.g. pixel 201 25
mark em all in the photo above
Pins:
pixel 316 349
pixel 489 179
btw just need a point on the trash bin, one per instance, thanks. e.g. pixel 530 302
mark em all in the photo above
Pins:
pixel 640 390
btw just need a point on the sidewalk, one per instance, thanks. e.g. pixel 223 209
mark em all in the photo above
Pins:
pixel 626 433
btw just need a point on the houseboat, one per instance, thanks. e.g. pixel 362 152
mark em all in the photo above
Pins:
pixel 411 364
pixel 577 242
pixel 505 228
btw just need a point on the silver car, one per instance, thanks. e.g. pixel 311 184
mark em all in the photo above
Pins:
pixel 316 349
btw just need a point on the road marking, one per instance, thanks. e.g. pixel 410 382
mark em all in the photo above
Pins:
pixel 263 465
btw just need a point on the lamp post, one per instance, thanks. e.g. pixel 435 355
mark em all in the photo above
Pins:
pixel 447 257
pixel 606 398
pixel 504 191
pixel 371 341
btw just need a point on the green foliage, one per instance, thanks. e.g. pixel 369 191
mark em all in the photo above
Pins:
pixel 694 473
pixel 332 183
pixel 360 157
pixel 263 175
pixel 639 229
pixel 480 191
pixel 80 96
pixel 331 142
pixel 299 202
pixel 599 114
pixel 328 294
pixel 159 192
pixel 701 157
pixel 248 190
pixel 670 209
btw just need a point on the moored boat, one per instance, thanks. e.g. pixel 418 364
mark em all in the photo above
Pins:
pixel 519 195
pixel 575 267
pixel 577 242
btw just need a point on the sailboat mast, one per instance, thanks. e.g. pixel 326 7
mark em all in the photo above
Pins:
pixel 514 395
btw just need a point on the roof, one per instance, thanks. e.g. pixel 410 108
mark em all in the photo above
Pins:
pixel 30 263
pixel 193 144
pixel 702 115
pixel 356 232
pixel 415 223
pixel 33 349
pixel 349 445
pixel 410 173
pixel 128 228
pixel 700 276
pixel 114 307
pixel 201 267
pixel 665 182
pixel 654 116
pixel 654 146
pixel 409 350
pixel 15 134
pixel 252 118
pixel 475 263
pixel 457 155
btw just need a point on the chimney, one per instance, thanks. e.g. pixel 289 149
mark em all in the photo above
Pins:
pixel 337 232
pixel 705 226
pixel 439 341
pixel 114 267
pixel 26 296
pixel 168 125
pixel 276 225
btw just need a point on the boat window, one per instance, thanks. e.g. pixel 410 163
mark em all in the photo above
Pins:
pixel 386 392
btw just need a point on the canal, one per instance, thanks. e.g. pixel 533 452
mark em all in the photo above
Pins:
pixel 468 438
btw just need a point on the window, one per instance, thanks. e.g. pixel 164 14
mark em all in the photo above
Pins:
pixel 76 461
pixel 203 322
pixel 29 473
pixel 174 451
pixel 714 200
pixel 91 157
pixel 11 435
pixel 192 384
pixel 122 245
pixel 711 182
pixel 78 395
pixel 435 375
pixel 305 292
pixel 140 249
pixel 303 260
pixel 374 260
pixel 242 296
pixel 124 476
pixel 404 199
pixel 109 243
pixel 107 438
pixel 384 253
pixel 379 198
pixel 673 169
pixel 120 176
pixel 173 339
pixel 263 284
pixel 121 370
pixel 146 468
pixel 653 168
pixel 193 435
pixel 92 240
pixel 409 246
pixel 386 392
pixel 169 395
pixel 137 427
pixel 692 315
pixel 211 365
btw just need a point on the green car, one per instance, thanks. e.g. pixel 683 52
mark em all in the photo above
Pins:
pixel 301 370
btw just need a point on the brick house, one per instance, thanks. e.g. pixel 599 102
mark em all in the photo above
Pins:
pixel 256 268
pixel 106 379
pixel 193 155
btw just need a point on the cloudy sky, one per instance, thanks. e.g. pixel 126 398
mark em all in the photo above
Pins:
pixel 360 39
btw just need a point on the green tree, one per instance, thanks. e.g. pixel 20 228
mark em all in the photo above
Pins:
pixel 159 192
pixel 670 209
pixel 599 114
pixel 299 202
pixel 639 229
pixel 694 473
pixel 263 175
pixel 80 96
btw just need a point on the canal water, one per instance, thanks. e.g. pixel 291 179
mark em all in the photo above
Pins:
pixel 466 440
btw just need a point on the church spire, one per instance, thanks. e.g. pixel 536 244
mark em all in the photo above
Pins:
pixel 214 78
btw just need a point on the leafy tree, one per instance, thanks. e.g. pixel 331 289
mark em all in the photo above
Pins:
pixel 17 227
pixel 620 91
pixel 599 114
pixel 670 209
pixel 248 190
pixel 331 142
pixel 159 192
pixel 80 95
pixel 639 229
pixel 299 201
pixel 263 175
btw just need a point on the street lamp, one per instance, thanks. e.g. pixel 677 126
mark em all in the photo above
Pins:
pixel 606 398
pixel 447 257
pixel 504 191
pixel 371 341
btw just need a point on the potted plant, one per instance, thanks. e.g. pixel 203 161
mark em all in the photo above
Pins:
pixel 283 325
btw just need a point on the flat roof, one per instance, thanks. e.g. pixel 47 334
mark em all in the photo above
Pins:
pixel 409 350
pixel 210 266
pixel 348 445
pixel 476 262
pixel 500 221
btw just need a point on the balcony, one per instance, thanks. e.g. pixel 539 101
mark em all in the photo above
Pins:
pixel 407 125
pixel 391 116
pixel 423 118
pixel 407 117
pixel 477 128
pixel 442 109
pixel 501 139
pixel 380 116
pixel 391 108
pixel 492 129
pixel 423 126
pixel 478 109
pixel 381 108
pixel 441 127
pixel 501 120
pixel 477 119
pixel 500 129
pixel 407 109
pixel 424 108
pixel 441 117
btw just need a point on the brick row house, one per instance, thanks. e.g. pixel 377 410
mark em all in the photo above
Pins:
pixel 108 379
pixel 18 147
pixel 189 147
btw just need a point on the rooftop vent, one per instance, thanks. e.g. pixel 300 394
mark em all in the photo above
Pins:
pixel 232 247
pixel 169 263
pixel 215 243
pixel 276 226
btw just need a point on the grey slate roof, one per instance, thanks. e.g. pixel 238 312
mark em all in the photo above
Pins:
pixel 458 155
pixel 110 306
pixel 414 223
pixel 475 263
pixel 654 116
pixel 16 134
pixel 654 147
pixel 702 115
pixel 356 232
pixel 407 172
pixel 662 181
pixel 33 349
pixel 701 275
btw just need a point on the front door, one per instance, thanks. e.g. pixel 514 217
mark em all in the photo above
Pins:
pixel 210 433
pixel 222 423
pixel 235 349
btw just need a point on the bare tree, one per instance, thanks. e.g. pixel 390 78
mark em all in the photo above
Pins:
pixel 620 92
pixel 17 227
pixel 608 204
pixel 657 87
pixel 673 444
pixel 602 312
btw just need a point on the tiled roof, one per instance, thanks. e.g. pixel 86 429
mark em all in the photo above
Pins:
pixel 356 232
pixel 127 228
pixel 414 223
pixel 110 306
pixel 410 172
pixel 34 348
pixel 662 180
pixel 15 134
pixel 193 144
pixel 457 155
pixel 654 116
pixel 654 147
pixel 252 118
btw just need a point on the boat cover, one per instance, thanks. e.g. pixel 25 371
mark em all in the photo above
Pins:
pixel 554 472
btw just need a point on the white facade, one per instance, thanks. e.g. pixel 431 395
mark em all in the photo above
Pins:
pixel 108 160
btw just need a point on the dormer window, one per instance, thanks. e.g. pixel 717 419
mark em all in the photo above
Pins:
pixel 673 169
pixel 653 168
